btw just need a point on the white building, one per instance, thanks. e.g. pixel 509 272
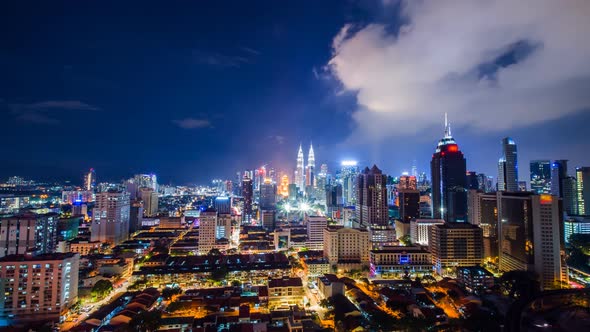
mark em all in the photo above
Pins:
pixel 420 228
pixel 315 231
pixel 207 231
pixel 110 221
pixel 346 245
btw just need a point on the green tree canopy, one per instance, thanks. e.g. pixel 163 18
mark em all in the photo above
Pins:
pixel 101 289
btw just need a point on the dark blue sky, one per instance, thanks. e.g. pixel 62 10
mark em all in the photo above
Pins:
pixel 193 91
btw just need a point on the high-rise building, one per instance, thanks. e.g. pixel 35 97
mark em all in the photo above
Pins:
pixel 508 166
pixel 420 229
pixel 455 245
pixel 90 180
pixel 347 178
pixel 284 186
pixel 315 231
pixel 77 196
pixel 346 245
pixel 409 204
pixel 530 238
pixel 247 194
pixel 37 288
pixel 268 195
pixel 150 201
pixel 371 204
pixel 407 182
pixel 583 190
pixel 570 197
pixel 111 217
pixel 485 183
pixel 310 169
pixel 558 175
pixel 575 225
pixel 267 219
pixel 299 170
pixel 207 231
pixel 222 204
pixel 146 180
pixel 324 169
pixel 135 215
pixel 483 212
pixel 29 233
pixel 472 180
pixel 333 198
pixel 448 166
pixel 541 176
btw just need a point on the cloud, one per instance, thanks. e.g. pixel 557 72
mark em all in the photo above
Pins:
pixel 278 139
pixel 191 123
pixel 45 112
pixel 492 65
pixel 220 60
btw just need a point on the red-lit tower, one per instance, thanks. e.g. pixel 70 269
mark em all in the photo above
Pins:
pixel 448 167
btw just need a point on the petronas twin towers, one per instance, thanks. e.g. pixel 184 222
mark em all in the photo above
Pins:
pixel 305 174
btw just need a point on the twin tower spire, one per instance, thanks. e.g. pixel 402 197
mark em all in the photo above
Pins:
pixel 304 174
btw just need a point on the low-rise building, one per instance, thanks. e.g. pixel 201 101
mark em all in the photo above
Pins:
pixel 475 279
pixel 285 292
pixel 330 285
pixel 393 262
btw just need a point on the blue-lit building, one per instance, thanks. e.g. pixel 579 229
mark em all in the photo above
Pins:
pixel 475 279
pixel 222 204
pixel 575 225
pixel 540 171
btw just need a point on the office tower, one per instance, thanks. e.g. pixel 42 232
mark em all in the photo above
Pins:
pixel 284 186
pixel 455 245
pixel 223 227
pixel 111 217
pixel 150 201
pixel 420 228
pixel 293 191
pixel 299 170
pixel 346 245
pixel 67 228
pixel 483 212
pixel 583 190
pixel 409 204
pixel 485 183
pixel 222 204
pixel 333 198
pixel 229 187
pixel 541 176
pixel 146 180
pixel 414 172
pixel 472 180
pixel 267 219
pixel 347 178
pixel 315 231
pixel 575 225
pixel 371 204
pixel 407 182
pixel 28 233
pixel 247 194
pixel 76 196
pixel 570 197
pixel 319 192
pixel 448 167
pixel 530 236
pixel 310 169
pixel 37 288
pixel 508 166
pixel 207 231
pixel 90 180
pixel 324 170
pixel 135 215
pixel 268 195
pixel 558 175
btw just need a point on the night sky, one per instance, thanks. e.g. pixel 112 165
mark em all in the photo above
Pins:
pixel 193 91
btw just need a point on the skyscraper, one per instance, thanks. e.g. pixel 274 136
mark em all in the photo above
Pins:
pixel 150 201
pixel 448 167
pixel 310 169
pixel 207 230
pixel 299 170
pixel 347 178
pixel 409 204
pixel 508 166
pixel 541 176
pixel 570 197
pixel 407 182
pixel 558 175
pixel 284 186
pixel 111 217
pixel 90 180
pixel 268 194
pixel 247 194
pixel 28 233
pixel 371 204
pixel 455 245
pixel 530 239
pixel 583 190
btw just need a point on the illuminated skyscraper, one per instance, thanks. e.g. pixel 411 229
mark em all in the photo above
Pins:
pixel 371 203
pixel 407 182
pixel 541 176
pixel 284 187
pixel 324 170
pixel 448 167
pixel 583 190
pixel 310 169
pixel 268 194
pixel 508 166
pixel 558 175
pixel 90 180
pixel 347 179
pixel 299 170
pixel 247 194
pixel 146 180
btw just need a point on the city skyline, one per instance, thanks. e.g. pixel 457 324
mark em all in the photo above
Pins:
pixel 161 93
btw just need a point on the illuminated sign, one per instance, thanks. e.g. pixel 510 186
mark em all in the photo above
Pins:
pixel 546 199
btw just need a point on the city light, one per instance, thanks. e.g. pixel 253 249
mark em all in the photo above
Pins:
pixel 349 163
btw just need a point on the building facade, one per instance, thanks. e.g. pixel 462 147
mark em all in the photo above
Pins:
pixel 455 245
pixel 110 221
pixel 371 204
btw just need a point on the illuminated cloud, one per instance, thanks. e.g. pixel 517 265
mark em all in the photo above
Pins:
pixel 45 112
pixel 492 65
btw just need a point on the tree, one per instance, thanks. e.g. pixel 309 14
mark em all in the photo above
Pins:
pixel 581 242
pixel 168 293
pixel 406 240
pixel 214 252
pixel 101 289
pixel 324 303
pixel 146 321
pixel 219 274
pixel 236 283
pixel 520 284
